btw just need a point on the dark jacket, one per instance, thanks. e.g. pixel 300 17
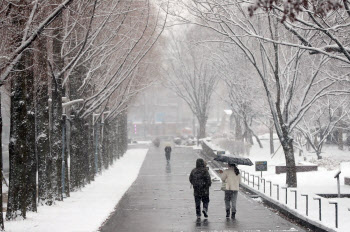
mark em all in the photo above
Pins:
pixel 200 179
pixel 167 149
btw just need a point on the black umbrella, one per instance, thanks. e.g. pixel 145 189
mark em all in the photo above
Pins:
pixel 234 159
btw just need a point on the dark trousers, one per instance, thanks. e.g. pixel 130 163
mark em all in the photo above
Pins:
pixel 198 200
pixel 167 156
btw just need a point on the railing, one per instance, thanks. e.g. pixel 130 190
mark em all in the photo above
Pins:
pixel 246 179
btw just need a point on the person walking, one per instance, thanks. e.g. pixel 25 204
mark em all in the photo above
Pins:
pixel 201 181
pixel 232 178
pixel 167 150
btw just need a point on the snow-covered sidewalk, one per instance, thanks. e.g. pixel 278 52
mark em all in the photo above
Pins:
pixel 87 209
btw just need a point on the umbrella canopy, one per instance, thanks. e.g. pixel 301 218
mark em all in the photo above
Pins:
pixel 234 159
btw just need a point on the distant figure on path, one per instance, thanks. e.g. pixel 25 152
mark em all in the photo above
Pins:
pixel 167 150
pixel 201 181
pixel 232 178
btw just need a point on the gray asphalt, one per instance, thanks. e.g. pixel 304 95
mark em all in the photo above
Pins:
pixel 161 200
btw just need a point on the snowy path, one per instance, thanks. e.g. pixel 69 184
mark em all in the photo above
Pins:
pixel 87 209
pixel 161 200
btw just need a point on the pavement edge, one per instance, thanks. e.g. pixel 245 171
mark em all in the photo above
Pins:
pixel 302 220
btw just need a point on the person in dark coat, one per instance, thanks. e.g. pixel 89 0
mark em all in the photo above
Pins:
pixel 167 150
pixel 201 181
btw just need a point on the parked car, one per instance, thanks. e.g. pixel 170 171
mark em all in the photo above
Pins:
pixel 177 141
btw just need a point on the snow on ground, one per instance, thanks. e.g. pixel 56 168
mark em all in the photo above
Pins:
pixel 311 183
pixel 142 142
pixel 87 209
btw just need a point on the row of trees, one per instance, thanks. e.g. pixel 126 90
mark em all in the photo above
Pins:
pixel 297 51
pixel 72 68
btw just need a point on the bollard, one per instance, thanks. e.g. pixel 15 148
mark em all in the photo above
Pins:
pixel 320 207
pixel 336 212
pixel 262 179
pixel 307 203
pixel 278 191
pixel 270 187
pixel 286 188
pixel 296 197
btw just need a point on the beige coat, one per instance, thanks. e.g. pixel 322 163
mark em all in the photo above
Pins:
pixel 232 180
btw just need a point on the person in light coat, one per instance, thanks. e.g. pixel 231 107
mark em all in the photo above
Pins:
pixel 232 178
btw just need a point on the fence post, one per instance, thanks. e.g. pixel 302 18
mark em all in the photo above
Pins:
pixel 286 188
pixel 253 180
pixel 296 197
pixel 336 212
pixel 278 191
pixel 320 207
pixel 270 187
pixel 307 203
pixel 262 179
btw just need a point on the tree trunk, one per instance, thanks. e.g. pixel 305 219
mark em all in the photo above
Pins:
pixel 291 176
pixel 42 117
pixel 92 170
pixel 57 93
pixel 318 153
pixel 1 169
pixel 272 147
pixel 73 155
pixel 18 153
pixel 238 129
pixel 340 139
pixel 31 165
pixel 17 147
pixel 202 121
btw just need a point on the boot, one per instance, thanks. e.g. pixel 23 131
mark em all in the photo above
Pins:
pixel 227 213
pixel 233 216
pixel 205 213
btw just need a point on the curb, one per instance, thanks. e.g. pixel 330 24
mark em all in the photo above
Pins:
pixel 295 216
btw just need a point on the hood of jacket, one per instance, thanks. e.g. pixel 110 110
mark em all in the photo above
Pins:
pixel 200 163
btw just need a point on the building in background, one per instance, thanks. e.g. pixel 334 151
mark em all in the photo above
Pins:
pixel 158 112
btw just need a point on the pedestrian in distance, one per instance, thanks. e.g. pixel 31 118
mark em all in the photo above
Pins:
pixel 201 181
pixel 167 150
pixel 232 178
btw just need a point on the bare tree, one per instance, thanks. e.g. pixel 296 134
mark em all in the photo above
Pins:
pixel 193 77
pixel 290 92
pixel 322 119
